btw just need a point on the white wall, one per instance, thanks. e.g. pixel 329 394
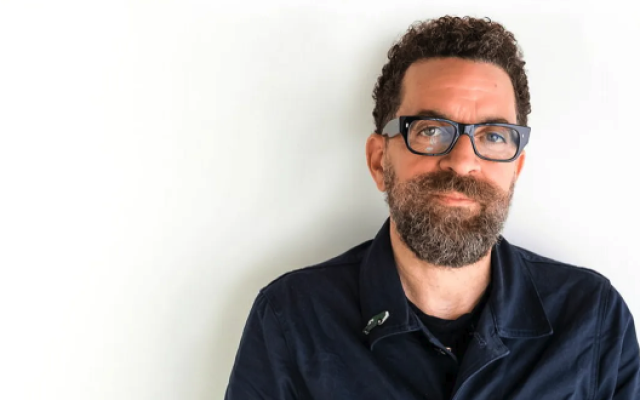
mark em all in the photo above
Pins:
pixel 162 161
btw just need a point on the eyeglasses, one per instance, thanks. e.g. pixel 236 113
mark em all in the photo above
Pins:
pixel 436 137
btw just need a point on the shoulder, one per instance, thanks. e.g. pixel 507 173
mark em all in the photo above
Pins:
pixel 332 281
pixel 570 293
pixel 551 274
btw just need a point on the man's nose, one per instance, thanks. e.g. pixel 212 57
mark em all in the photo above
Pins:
pixel 462 159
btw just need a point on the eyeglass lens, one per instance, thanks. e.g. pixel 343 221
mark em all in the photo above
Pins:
pixel 491 141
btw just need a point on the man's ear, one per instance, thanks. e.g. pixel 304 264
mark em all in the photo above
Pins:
pixel 375 149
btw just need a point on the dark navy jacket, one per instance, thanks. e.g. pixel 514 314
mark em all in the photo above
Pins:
pixel 549 331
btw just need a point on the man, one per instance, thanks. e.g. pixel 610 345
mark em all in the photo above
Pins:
pixel 439 305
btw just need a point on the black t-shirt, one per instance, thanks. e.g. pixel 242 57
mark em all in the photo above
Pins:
pixel 455 335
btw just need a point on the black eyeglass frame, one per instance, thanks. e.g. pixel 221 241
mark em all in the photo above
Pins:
pixel 400 126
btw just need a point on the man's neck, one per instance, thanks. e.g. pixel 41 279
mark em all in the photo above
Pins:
pixel 442 292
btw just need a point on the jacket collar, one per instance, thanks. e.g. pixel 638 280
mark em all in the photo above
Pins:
pixel 514 303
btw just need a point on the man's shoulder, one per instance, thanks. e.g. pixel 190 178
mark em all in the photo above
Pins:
pixel 570 290
pixel 576 299
pixel 336 277
pixel 552 271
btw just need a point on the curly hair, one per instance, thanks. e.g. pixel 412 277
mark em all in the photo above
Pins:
pixel 467 38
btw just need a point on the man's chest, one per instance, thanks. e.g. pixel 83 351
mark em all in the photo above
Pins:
pixel 408 366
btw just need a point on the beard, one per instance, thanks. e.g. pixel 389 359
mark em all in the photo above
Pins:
pixel 445 235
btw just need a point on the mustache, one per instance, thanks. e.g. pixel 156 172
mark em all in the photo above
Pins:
pixel 441 182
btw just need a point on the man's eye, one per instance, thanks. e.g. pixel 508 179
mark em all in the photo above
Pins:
pixel 494 138
pixel 431 131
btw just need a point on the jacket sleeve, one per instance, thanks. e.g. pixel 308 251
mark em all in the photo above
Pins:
pixel 619 356
pixel 263 367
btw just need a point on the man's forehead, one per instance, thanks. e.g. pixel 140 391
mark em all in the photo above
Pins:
pixel 443 115
pixel 467 73
pixel 458 88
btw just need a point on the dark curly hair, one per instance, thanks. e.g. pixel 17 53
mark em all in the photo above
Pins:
pixel 468 38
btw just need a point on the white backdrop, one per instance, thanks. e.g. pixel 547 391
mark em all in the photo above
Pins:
pixel 160 161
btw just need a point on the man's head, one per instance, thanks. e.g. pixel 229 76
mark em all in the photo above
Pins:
pixel 449 209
